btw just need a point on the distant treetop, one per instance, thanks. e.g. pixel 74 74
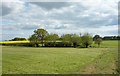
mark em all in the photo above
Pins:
pixel 18 39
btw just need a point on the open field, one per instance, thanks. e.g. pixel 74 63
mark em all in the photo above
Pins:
pixel 30 60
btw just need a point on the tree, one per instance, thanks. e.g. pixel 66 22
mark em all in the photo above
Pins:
pixel 86 40
pixel 52 37
pixel 66 38
pixel 33 40
pixel 39 35
pixel 75 39
pixel 98 41
pixel 96 37
pixel 18 39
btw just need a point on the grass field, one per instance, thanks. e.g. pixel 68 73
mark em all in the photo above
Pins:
pixel 30 60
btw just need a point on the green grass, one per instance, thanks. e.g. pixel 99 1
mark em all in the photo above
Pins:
pixel 28 60
pixel 108 44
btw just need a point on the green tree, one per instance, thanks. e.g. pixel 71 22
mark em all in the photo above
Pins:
pixel 33 40
pixel 39 35
pixel 86 40
pixel 75 39
pixel 18 39
pixel 66 38
pixel 96 37
pixel 52 38
pixel 98 41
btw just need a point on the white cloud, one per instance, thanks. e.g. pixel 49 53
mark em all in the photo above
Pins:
pixel 102 30
pixel 11 7
pixel 84 16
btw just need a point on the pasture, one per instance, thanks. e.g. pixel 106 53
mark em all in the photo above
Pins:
pixel 32 60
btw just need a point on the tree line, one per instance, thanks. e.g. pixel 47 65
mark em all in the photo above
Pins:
pixel 41 36
pixel 17 39
pixel 111 38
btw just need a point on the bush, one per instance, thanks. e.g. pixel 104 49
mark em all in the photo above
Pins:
pixel 60 44
pixel 17 44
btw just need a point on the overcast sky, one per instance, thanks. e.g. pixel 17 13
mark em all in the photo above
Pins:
pixel 20 19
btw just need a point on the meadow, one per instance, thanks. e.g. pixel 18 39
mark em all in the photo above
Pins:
pixel 41 60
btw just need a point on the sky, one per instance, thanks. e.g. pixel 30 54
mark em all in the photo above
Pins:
pixel 20 18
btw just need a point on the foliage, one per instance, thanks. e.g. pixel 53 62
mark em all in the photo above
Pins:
pixel 66 39
pixel 39 35
pixel 111 38
pixel 18 39
pixel 42 36
pixel 33 40
pixel 96 37
pixel 98 41
pixel 53 38
pixel 75 39
pixel 86 40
